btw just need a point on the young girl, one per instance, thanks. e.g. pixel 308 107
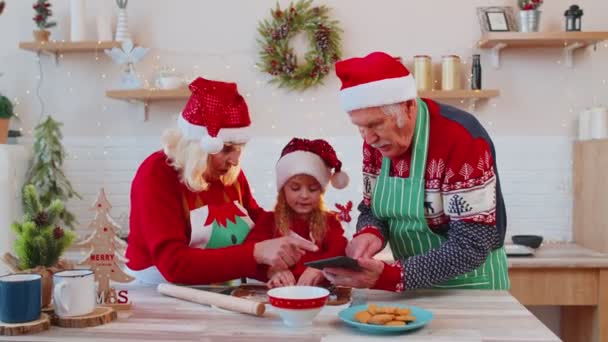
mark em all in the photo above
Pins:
pixel 303 173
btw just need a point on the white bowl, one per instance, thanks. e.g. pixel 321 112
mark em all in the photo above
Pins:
pixel 298 305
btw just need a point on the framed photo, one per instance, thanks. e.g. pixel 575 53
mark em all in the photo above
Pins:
pixel 496 19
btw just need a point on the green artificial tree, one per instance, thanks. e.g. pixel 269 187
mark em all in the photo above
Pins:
pixel 40 241
pixel 46 172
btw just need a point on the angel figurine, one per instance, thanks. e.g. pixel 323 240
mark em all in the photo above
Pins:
pixel 128 55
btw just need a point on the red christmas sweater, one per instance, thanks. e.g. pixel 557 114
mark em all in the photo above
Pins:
pixel 160 226
pixel 332 245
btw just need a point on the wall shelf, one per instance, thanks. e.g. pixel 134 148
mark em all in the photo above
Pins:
pixel 55 47
pixel 149 94
pixel 568 41
pixel 145 96
pixel 460 94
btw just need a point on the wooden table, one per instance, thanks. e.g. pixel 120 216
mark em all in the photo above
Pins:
pixel 569 276
pixel 460 315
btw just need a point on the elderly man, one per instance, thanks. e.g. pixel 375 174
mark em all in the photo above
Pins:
pixel 431 187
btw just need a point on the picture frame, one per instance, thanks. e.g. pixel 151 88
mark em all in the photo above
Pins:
pixel 496 19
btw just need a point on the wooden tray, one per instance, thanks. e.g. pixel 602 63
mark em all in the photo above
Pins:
pixel 101 315
pixel 33 327
pixel 338 295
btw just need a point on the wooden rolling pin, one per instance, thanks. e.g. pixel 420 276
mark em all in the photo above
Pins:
pixel 209 298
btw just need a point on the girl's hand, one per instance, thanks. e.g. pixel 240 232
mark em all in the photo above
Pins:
pixel 281 278
pixel 311 277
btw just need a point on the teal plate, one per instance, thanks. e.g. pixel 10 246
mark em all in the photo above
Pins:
pixel 422 318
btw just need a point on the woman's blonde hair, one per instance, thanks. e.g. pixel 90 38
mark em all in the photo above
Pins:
pixel 283 216
pixel 188 158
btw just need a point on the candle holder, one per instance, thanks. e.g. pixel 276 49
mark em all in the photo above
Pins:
pixel 573 16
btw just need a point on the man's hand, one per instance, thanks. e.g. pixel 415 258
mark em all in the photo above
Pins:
pixel 311 277
pixel 364 246
pixel 364 279
pixel 281 278
pixel 282 253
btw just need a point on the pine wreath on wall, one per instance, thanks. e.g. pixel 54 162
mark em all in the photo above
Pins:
pixel 278 58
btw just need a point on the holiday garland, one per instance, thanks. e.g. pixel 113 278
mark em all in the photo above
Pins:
pixel 278 58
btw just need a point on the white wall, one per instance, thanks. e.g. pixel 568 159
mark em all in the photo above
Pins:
pixel 533 120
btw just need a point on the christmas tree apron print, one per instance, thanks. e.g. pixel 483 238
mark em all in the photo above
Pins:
pixel 216 226
pixel 401 203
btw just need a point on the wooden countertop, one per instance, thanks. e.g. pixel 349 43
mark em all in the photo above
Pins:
pixel 550 255
pixel 561 255
pixel 460 315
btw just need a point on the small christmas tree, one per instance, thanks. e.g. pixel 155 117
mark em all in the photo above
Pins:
pixel 106 250
pixel 40 242
pixel 46 172
pixel 43 13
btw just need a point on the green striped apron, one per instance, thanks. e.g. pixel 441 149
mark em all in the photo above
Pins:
pixel 400 202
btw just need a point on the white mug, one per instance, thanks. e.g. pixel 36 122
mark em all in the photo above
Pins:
pixel 169 82
pixel 74 292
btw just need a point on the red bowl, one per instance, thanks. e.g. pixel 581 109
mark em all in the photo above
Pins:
pixel 298 305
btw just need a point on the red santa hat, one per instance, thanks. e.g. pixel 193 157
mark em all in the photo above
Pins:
pixel 315 158
pixel 374 80
pixel 215 114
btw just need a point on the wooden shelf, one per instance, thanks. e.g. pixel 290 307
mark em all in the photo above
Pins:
pixel 144 96
pixel 147 95
pixel 63 46
pixel 540 39
pixel 460 94
pixel 150 95
pixel 184 93
pixel 569 41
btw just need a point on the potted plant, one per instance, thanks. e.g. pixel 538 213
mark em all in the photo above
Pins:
pixel 529 15
pixel 6 113
pixel 40 241
pixel 43 13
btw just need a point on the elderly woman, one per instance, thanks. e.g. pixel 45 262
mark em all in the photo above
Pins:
pixel 191 205
pixel 431 187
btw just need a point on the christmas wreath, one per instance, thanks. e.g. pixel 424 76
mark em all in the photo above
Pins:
pixel 278 58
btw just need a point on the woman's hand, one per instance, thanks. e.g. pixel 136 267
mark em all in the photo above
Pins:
pixel 283 252
pixel 311 277
pixel 281 278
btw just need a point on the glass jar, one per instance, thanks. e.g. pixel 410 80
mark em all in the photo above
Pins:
pixel 450 72
pixel 423 72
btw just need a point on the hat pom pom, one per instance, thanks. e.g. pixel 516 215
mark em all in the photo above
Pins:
pixel 212 145
pixel 339 180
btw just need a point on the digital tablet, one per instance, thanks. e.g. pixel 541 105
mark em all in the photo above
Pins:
pixel 337 262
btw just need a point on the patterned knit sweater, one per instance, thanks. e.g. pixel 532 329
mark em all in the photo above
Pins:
pixel 463 201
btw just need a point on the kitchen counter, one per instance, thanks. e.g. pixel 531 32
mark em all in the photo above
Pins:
pixel 561 255
pixel 460 315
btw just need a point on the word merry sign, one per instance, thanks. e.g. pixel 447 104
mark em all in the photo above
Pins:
pixel 102 257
